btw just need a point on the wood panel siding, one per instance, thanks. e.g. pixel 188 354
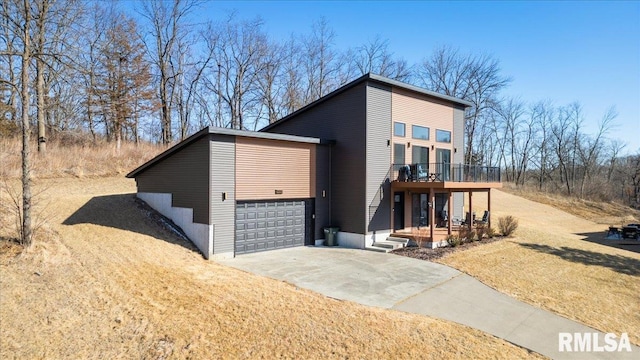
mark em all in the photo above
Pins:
pixel 264 167
pixel 378 157
pixel 342 119
pixel 412 108
pixel 184 175
pixel 222 181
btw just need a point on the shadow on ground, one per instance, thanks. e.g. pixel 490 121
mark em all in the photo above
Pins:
pixel 624 244
pixel 618 263
pixel 126 212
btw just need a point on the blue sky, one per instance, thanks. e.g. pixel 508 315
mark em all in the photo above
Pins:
pixel 560 51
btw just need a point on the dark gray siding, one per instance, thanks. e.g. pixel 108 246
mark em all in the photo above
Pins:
pixel 378 157
pixel 343 119
pixel 184 175
pixel 458 156
pixel 223 159
pixel 323 189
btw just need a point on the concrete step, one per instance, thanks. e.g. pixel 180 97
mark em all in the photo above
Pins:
pixel 398 239
pixel 377 248
pixel 389 244
pixel 406 242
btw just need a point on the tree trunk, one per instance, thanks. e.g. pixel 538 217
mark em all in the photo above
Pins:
pixel 25 233
pixel 42 140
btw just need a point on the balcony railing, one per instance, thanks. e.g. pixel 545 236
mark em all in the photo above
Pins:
pixel 438 172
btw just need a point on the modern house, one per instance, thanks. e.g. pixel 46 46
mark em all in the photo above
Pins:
pixel 374 157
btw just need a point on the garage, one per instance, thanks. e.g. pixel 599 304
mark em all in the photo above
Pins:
pixel 234 192
pixel 269 225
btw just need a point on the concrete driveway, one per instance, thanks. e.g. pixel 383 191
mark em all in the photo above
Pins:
pixel 421 287
pixel 365 277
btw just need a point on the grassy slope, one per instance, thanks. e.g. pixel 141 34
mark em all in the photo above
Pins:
pixel 105 281
pixel 552 264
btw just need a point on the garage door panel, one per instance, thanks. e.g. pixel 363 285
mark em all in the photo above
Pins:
pixel 264 226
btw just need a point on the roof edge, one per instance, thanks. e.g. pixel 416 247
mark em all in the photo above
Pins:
pixel 168 152
pixel 219 131
pixel 379 79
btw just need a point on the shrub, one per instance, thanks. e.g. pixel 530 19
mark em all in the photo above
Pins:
pixel 507 225
pixel 481 230
pixel 453 240
pixel 472 236
pixel 490 232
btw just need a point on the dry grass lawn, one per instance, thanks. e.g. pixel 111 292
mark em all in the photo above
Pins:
pixel 105 281
pixel 549 263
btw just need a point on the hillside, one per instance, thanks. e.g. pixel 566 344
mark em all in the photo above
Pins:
pixel 601 212
pixel 105 281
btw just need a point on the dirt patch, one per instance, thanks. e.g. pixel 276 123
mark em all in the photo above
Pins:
pixel 110 283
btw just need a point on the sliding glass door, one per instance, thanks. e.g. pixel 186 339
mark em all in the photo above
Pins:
pixel 443 159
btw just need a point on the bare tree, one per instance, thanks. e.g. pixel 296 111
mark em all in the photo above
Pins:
pixel 542 114
pixel 167 20
pixel 475 78
pixel 52 33
pixel 238 56
pixel 292 77
pixel 589 150
pixel 320 62
pixel 270 84
pixel 375 57
pixel 20 19
pixel 8 76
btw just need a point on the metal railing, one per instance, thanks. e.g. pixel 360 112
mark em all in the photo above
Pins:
pixel 438 172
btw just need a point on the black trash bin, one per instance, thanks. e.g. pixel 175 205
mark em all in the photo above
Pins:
pixel 331 236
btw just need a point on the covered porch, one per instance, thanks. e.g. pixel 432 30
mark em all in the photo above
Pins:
pixel 432 209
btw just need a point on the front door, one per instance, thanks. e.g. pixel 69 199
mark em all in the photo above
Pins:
pixel 398 210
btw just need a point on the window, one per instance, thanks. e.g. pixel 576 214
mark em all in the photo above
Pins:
pixel 398 154
pixel 419 155
pixel 443 136
pixel 398 129
pixel 420 132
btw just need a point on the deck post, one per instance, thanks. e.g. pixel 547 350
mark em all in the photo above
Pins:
pixel 489 207
pixel 449 207
pixel 432 212
pixel 470 209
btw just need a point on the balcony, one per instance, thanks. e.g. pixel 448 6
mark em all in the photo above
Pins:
pixel 441 172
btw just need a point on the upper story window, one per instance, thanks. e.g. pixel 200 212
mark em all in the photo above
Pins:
pixel 398 154
pixel 420 132
pixel 443 136
pixel 399 129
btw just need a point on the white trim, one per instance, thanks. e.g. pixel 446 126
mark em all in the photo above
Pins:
pixel 201 235
pixel 223 256
pixel 377 236
pixel 351 240
pixel 437 244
